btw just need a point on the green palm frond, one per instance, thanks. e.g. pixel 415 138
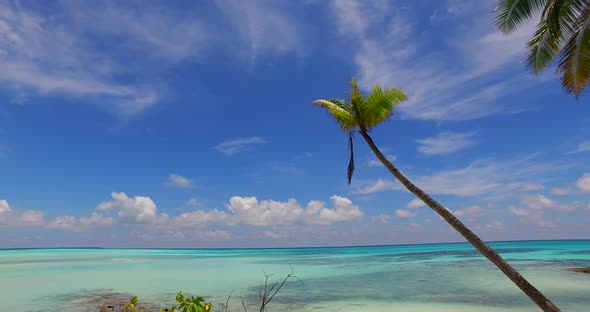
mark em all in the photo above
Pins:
pixel 574 64
pixel 511 13
pixel 563 30
pixel 332 104
pixel 555 26
pixel 561 15
pixel 541 49
pixel 341 112
pixel 362 113
pixel 356 102
pixel 379 105
pixel 551 16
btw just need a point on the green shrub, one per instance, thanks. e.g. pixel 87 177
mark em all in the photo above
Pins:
pixel 191 304
pixel 130 306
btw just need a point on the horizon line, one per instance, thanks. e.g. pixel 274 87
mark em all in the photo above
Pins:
pixel 297 247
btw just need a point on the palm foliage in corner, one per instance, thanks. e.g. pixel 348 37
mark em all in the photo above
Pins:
pixel 563 31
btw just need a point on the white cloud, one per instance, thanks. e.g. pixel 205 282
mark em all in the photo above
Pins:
pixel 4 207
pixel 157 32
pixel 199 236
pixel 142 210
pixel 477 178
pixel 127 99
pixel 532 215
pixel 445 143
pixel 377 163
pixel 376 186
pixel 561 191
pixel 344 210
pixel 179 181
pixel 468 211
pixel 139 209
pixel 29 218
pixel 251 211
pixel 532 187
pixel 537 201
pixel 546 224
pixel 536 205
pixel 415 203
pixel 381 218
pixel 541 201
pixel 18 218
pixel 236 146
pixel 54 51
pixel 583 183
pixel 519 211
pixel 178 235
pixel 215 235
pixel 274 234
pixel 397 53
pixel 264 26
pixel 201 218
pixel 269 212
pixel 71 223
pixel 44 56
pixel 582 147
pixel 192 202
pixel 348 16
pixel 404 213
pixel 495 225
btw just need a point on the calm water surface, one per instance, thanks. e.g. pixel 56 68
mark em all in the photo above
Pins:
pixel 440 277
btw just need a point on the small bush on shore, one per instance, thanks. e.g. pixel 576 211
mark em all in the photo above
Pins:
pixel 191 304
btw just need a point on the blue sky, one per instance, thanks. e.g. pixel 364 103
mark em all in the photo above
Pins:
pixel 146 124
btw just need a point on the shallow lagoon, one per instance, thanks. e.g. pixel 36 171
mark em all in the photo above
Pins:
pixel 437 277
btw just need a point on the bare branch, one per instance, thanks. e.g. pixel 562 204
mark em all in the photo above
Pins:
pixel 267 294
pixel 226 307
pixel 244 305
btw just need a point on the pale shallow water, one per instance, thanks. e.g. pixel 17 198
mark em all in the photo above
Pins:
pixel 438 277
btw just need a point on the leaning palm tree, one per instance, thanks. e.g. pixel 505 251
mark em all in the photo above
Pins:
pixel 563 30
pixel 360 114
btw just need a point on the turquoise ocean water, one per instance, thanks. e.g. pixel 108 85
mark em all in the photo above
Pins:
pixel 437 277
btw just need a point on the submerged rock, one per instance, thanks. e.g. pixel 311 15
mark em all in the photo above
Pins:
pixel 101 300
pixel 580 270
pixel 119 307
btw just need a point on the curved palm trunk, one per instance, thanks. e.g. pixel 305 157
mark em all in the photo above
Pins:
pixel 533 293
